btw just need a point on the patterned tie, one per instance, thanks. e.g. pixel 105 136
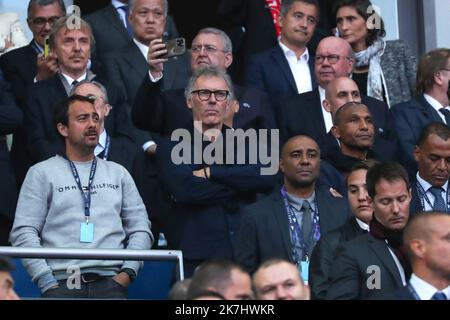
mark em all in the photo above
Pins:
pixel 446 114
pixel 127 24
pixel 306 221
pixel 439 296
pixel 439 203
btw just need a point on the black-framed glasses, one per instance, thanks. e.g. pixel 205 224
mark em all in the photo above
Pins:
pixel 205 94
pixel 332 58
pixel 42 21
pixel 209 48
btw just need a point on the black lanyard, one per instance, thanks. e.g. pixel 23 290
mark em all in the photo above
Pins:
pixel 86 195
pixel 423 197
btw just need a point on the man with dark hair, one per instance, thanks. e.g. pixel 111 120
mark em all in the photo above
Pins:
pixel 426 239
pixel 432 153
pixel 374 264
pixel 6 281
pixel 430 105
pixel 288 223
pixel 323 256
pixel 223 277
pixel 73 49
pixel 278 279
pixel 287 69
pixel 24 66
pixel 109 214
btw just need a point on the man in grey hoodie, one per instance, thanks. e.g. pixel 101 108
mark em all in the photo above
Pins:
pixel 80 201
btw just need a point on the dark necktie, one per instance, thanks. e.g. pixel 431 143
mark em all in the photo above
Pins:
pixel 127 23
pixel 439 203
pixel 306 221
pixel 446 114
pixel 439 296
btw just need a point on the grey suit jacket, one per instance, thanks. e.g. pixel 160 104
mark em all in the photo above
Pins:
pixel 360 263
pixel 399 67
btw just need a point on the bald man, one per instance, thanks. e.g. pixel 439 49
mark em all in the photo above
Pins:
pixel 426 239
pixel 288 223
pixel 306 114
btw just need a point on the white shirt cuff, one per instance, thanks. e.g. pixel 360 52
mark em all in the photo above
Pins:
pixel 154 79
pixel 147 145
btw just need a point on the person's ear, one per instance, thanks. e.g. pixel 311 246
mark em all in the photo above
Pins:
pixel 326 105
pixel 189 102
pixel 336 132
pixel 62 129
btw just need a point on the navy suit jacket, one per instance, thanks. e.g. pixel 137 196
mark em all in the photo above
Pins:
pixel 410 119
pixel 44 140
pixel 269 71
pixel 302 114
pixel 163 112
pixel 353 269
pixel 264 232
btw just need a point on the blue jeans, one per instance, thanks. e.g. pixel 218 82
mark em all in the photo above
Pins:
pixel 92 287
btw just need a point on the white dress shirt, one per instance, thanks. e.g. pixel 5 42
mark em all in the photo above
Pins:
pixel 425 290
pixel 299 68
pixel 101 143
pixel 327 118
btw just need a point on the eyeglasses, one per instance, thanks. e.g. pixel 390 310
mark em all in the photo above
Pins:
pixel 42 21
pixel 209 48
pixel 332 59
pixel 205 94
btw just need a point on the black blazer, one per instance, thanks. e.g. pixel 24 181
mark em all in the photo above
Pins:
pixel 127 68
pixel 323 257
pixel 302 114
pixel 269 71
pixel 43 98
pixel 352 270
pixel 410 118
pixel 264 232
pixel 163 112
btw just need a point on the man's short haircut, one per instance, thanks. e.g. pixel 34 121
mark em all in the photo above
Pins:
pixel 212 274
pixel 338 115
pixel 431 63
pixel 361 165
pixel 283 148
pixel 62 23
pixel 62 111
pixel 6 265
pixel 209 72
pixel 42 3
pixel 389 171
pixel 131 4
pixel 437 128
pixel 179 290
pixel 287 4
pixel 362 7
pixel 95 83
pixel 226 41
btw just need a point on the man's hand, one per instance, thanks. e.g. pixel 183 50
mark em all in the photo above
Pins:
pixel 123 279
pixel 46 67
pixel 157 48
pixel 201 173
pixel 151 151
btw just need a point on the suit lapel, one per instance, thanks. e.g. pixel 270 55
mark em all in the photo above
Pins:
pixel 116 22
pixel 323 207
pixel 316 112
pixel 311 64
pixel 280 59
pixel 381 250
pixel 428 111
pixel 282 223
pixel 135 59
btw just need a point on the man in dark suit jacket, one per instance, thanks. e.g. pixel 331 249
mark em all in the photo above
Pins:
pixel 127 66
pixel 287 69
pixel 110 31
pixel 44 96
pixel 206 197
pixel 323 256
pixel 163 112
pixel 430 104
pixel 374 264
pixel 307 114
pixel 10 118
pixel 265 228
pixel 26 65
pixel 430 183
pixel 424 237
